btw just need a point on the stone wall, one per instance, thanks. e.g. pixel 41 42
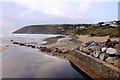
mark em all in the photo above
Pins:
pixel 99 67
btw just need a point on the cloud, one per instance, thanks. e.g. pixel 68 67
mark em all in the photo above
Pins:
pixel 85 6
pixel 19 15
pixel 55 7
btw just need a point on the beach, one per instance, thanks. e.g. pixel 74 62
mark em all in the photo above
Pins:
pixel 70 48
pixel 87 38
pixel 26 62
pixel 50 50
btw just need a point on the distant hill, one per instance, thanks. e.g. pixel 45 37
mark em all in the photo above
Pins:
pixel 39 29
pixel 110 28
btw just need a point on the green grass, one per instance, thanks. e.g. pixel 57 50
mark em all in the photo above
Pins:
pixel 101 31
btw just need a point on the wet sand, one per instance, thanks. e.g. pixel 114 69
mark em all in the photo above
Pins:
pixel 25 62
pixel 31 63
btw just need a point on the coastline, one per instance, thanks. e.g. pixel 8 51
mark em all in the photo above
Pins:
pixel 31 62
pixel 77 56
pixel 62 46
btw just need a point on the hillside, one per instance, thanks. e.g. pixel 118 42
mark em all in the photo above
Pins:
pixel 101 31
pixel 110 28
pixel 39 29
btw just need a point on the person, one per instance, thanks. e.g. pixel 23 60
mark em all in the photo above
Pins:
pixel 92 34
pixel 108 42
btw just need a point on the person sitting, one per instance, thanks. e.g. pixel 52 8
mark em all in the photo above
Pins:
pixel 108 43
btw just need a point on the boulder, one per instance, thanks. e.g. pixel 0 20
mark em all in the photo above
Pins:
pixel 93 44
pixel 96 54
pixel 117 63
pixel 15 43
pixel 85 49
pixel 94 48
pixel 84 45
pixel 111 60
pixel 21 44
pixel 103 49
pixel 55 49
pixel 88 43
pixel 59 51
pixel 42 49
pixel 81 48
pixel 48 50
pixel 103 56
pixel 33 46
pixel 88 52
pixel 111 51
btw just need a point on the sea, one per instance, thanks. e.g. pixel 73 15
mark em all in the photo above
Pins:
pixel 25 62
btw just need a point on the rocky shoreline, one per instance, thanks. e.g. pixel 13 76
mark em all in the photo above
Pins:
pixel 63 46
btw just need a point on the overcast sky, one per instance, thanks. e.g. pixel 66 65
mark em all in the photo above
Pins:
pixel 19 13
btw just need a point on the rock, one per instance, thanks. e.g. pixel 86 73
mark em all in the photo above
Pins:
pixel 88 43
pixel 103 56
pixel 11 40
pixel 94 48
pixel 117 63
pixel 81 48
pixel 29 45
pixel 93 44
pixel 59 51
pixel 103 49
pixel 111 51
pixel 85 49
pixel 32 46
pixel 110 44
pixel 70 39
pixel 21 44
pixel 84 45
pixel 42 49
pixel 48 50
pixel 88 52
pixel 96 54
pixel 15 43
pixel 37 47
pixel 55 49
pixel 111 60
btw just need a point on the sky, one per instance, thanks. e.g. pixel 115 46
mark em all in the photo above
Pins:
pixel 19 13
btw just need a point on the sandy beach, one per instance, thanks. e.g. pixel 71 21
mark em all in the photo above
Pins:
pixel 28 54
pixel 52 40
pixel 87 38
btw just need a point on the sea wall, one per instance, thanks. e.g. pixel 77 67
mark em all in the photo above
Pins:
pixel 93 66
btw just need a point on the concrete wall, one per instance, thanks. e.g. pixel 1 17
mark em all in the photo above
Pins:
pixel 105 70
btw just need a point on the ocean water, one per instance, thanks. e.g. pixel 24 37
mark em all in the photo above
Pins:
pixel 24 62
